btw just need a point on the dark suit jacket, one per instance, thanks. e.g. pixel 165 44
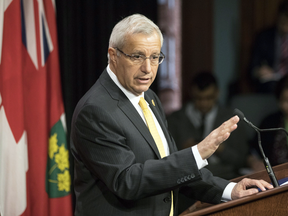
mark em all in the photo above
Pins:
pixel 234 150
pixel 118 170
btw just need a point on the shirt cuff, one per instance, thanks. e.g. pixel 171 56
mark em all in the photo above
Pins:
pixel 199 161
pixel 226 196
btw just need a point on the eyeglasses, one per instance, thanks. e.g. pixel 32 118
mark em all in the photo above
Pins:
pixel 139 59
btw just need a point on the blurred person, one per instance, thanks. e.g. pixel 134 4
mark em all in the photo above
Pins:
pixel 274 143
pixel 269 61
pixel 201 115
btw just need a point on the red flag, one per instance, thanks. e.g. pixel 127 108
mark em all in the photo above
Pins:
pixel 34 164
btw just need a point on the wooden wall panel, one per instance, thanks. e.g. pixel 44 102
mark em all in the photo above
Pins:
pixel 255 16
pixel 197 39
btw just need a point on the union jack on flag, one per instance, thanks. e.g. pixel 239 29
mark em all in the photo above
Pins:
pixel 34 163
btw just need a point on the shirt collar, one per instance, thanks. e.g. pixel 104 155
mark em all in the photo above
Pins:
pixel 195 115
pixel 133 98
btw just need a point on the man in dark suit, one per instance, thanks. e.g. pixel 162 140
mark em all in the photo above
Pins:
pixel 200 116
pixel 269 60
pixel 119 167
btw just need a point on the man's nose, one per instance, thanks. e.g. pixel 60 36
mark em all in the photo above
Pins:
pixel 146 66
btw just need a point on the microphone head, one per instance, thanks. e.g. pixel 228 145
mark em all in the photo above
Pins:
pixel 239 114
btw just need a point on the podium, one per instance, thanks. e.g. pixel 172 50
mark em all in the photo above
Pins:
pixel 270 202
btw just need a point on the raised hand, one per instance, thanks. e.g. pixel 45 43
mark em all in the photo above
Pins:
pixel 210 144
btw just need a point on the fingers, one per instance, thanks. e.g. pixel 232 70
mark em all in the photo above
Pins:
pixel 263 185
pixel 240 189
pixel 223 132
pixel 226 128
pixel 230 125
pixel 233 121
pixel 210 144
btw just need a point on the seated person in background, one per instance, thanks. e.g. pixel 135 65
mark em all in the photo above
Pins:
pixel 274 143
pixel 269 60
pixel 196 119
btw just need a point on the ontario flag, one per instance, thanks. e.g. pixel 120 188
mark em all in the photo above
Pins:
pixel 34 163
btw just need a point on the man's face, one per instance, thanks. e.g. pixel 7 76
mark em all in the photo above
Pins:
pixel 137 78
pixel 204 100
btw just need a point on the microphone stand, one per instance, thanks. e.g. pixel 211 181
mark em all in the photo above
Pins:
pixel 265 159
pixel 267 163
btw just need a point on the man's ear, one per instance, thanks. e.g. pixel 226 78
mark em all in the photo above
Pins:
pixel 112 54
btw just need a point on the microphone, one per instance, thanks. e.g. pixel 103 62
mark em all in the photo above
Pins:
pixel 242 117
pixel 265 159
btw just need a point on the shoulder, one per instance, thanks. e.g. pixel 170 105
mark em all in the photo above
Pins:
pixel 104 94
pixel 272 119
pixel 178 113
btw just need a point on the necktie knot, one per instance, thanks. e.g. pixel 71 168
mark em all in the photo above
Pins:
pixel 143 104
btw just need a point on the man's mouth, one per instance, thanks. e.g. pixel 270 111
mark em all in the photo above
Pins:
pixel 143 80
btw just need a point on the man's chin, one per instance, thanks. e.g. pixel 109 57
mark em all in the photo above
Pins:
pixel 139 91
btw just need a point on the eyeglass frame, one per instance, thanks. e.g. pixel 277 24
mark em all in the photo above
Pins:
pixel 143 58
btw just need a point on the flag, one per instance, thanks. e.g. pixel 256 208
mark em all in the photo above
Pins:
pixel 34 158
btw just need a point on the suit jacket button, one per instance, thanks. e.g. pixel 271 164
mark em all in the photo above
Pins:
pixel 192 175
pixel 167 199
pixel 178 181
pixel 185 178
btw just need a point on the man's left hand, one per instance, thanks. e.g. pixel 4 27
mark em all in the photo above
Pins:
pixel 248 187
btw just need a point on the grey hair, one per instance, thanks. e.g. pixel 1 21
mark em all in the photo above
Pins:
pixel 133 24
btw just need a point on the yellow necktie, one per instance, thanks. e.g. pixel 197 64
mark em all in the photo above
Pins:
pixel 154 132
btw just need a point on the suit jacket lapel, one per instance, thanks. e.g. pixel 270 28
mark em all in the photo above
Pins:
pixel 160 119
pixel 128 109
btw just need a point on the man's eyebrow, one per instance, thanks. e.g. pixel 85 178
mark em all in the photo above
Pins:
pixel 142 53
pixel 138 52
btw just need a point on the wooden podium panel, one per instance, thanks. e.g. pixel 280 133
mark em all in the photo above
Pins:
pixel 270 202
